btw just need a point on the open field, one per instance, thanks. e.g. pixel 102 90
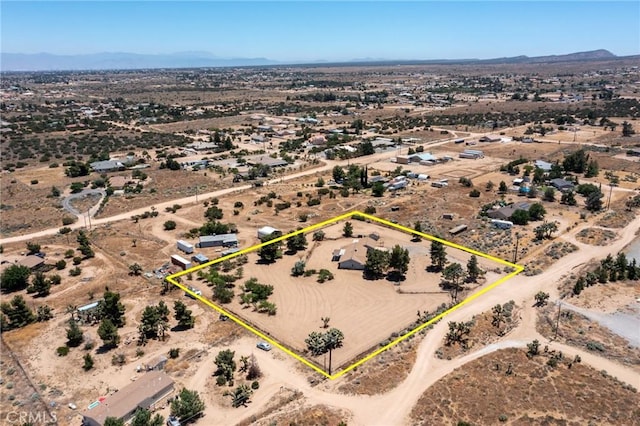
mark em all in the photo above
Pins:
pixel 368 312
pixel 509 387
pixel 316 123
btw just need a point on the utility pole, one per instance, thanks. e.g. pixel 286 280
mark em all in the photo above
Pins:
pixel 557 320
pixel 515 253
pixel 89 216
pixel 610 192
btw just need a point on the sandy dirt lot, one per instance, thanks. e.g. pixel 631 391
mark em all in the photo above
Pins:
pixel 367 312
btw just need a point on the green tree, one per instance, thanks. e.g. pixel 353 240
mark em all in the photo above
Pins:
pixel 541 298
pixel 538 176
pixel 33 248
pixel 169 225
pixel 187 405
pixel 537 211
pixel 438 255
pixel 498 316
pixel 315 343
pixel 111 308
pixel 473 269
pixel 520 217
pixel 454 274
pixel 377 189
pixel 338 174
pixel 17 313
pixel 502 188
pixel 417 226
pixel 592 169
pixel 545 230
pixel 333 340
pixel 226 364
pixel 568 198
pixel 143 417
pixel 489 186
pixel 399 260
pixel 240 395
pixel 112 421
pixel 269 253
pixel 40 285
pixel 43 313
pixel 135 269
pixel 183 315
pixel 74 334
pixel 14 278
pixel 154 321
pixel 347 230
pixel 627 129
pixel 296 243
pixel 298 268
pixel 88 362
pixel 377 263
pixel 108 332
pixel 594 201
pixel 318 235
pixel 549 194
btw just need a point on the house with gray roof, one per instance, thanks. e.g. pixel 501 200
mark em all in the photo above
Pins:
pixel 562 185
pixel 146 392
pixel 107 166
pixel 505 213
pixel 221 240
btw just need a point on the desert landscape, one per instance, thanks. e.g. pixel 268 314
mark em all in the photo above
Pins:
pixel 113 181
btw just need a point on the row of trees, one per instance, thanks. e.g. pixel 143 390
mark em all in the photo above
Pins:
pixel 610 270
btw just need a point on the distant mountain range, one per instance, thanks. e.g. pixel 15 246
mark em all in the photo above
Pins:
pixel 119 61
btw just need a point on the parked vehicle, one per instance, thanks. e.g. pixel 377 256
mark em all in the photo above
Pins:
pixel 195 290
pixel 264 346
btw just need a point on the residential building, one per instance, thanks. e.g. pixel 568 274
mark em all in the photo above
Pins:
pixel 146 392
pixel 31 261
pixel 354 256
pixel 562 185
pixel 543 165
pixel 221 240
pixel 107 166
pixel 266 231
pixel 505 213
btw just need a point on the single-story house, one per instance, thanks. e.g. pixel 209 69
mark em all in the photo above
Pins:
pixel 32 261
pixel 318 140
pixel 265 231
pixel 203 146
pixel 354 256
pixel 472 154
pixel 490 138
pixel 146 392
pixel 107 166
pixel 505 213
pixel 221 240
pixel 267 161
pixel 562 185
pixel 543 165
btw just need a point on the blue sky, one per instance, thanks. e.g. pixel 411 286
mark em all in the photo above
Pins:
pixel 322 30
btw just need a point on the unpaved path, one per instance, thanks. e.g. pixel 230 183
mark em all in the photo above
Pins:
pixel 393 407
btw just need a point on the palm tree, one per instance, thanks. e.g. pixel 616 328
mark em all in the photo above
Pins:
pixel 333 340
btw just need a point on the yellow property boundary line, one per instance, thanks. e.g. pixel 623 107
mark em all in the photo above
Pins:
pixel 172 279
